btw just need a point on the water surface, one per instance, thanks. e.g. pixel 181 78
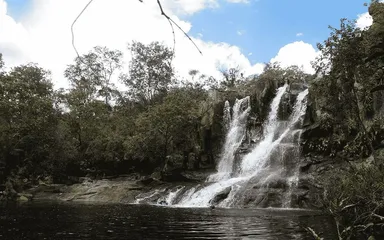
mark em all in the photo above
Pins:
pixel 47 220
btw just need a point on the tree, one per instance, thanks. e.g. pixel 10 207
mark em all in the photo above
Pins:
pixel 351 63
pixel 91 74
pixel 193 73
pixel 90 78
pixel 27 121
pixel 348 79
pixel 231 77
pixel 150 71
pixel 169 128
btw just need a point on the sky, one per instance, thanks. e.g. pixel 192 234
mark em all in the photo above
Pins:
pixel 230 33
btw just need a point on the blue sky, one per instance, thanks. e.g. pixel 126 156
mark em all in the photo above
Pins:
pixel 16 8
pixel 268 25
pixel 264 25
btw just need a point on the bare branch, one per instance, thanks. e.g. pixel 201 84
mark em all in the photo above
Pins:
pixel 73 35
pixel 170 20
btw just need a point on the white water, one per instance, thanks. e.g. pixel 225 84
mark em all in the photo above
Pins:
pixel 257 162
pixel 293 180
pixel 234 138
pixel 172 196
pixel 140 199
pixel 203 197
pixel 256 159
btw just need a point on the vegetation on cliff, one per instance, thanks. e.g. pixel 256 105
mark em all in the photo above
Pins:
pixel 346 121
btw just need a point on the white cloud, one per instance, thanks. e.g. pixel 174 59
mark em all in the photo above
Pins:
pixel 44 34
pixel 250 54
pixel 188 7
pixel 216 56
pixel 297 53
pixel 299 34
pixel 364 21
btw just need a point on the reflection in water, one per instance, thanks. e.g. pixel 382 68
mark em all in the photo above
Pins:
pixel 90 221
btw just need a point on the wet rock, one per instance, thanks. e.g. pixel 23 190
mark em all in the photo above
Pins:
pixel 280 183
pixel 220 196
pixel 285 107
pixel 263 198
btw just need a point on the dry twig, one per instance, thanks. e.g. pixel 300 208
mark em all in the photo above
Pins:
pixel 170 20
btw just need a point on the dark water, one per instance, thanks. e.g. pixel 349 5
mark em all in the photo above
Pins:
pixel 105 221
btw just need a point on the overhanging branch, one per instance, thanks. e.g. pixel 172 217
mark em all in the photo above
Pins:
pixel 170 20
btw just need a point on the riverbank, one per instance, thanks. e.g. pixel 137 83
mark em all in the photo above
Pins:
pixel 117 189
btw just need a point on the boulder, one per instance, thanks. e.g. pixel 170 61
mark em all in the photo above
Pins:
pixel 220 196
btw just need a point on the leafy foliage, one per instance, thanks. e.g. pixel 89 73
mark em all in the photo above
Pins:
pixel 150 71
pixel 348 120
pixel 354 200
pixel 27 119
pixel 346 105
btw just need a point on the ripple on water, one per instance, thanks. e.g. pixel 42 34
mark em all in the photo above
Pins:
pixel 89 221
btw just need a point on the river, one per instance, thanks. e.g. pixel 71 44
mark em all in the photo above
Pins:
pixel 61 220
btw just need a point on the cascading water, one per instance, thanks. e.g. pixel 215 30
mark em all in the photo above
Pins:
pixel 203 197
pixel 272 164
pixel 274 160
pixel 236 127
pixel 252 162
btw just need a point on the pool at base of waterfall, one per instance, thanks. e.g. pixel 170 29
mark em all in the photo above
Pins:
pixel 60 220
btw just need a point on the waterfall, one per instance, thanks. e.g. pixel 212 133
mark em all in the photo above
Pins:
pixel 202 197
pixel 253 161
pixel 266 168
pixel 293 179
pixel 172 196
pixel 236 126
pixel 272 164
